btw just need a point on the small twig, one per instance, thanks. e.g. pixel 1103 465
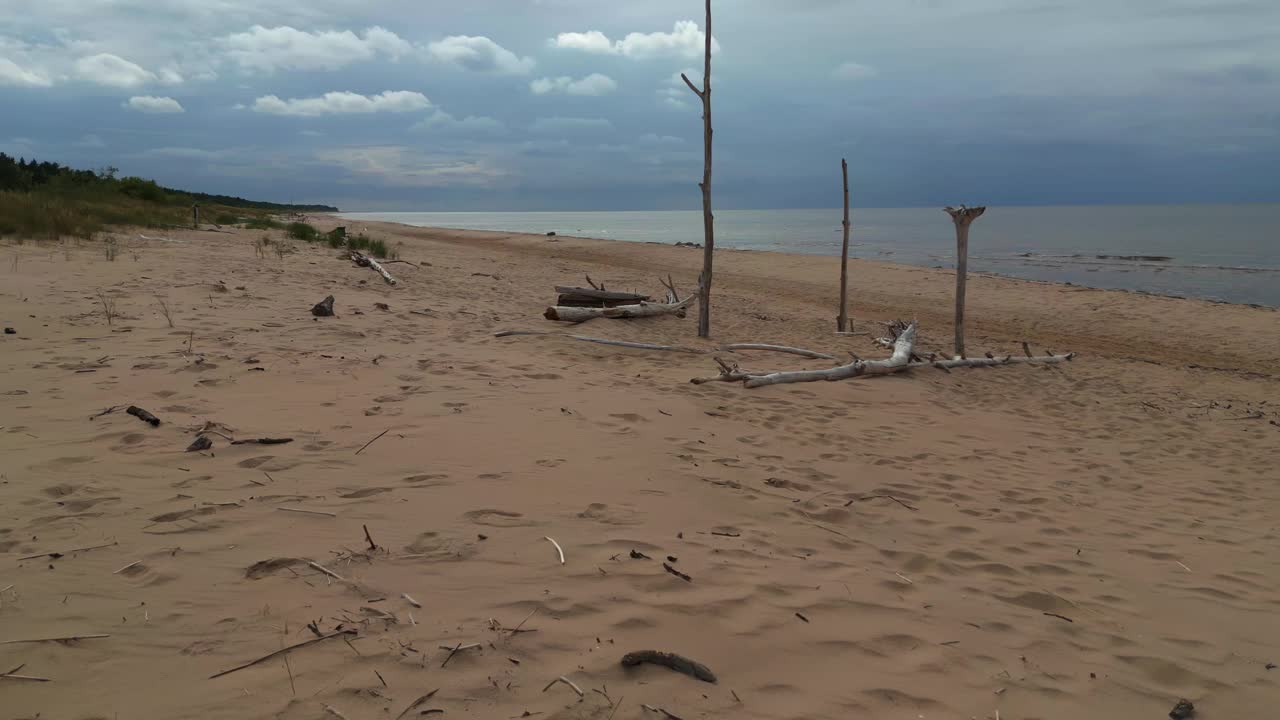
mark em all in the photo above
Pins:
pixel 566 681
pixel 412 602
pixel 905 579
pixel 126 567
pixel 677 573
pixel 67 638
pixel 1060 617
pixel 384 682
pixel 460 648
pixel 373 545
pixel 522 622
pixel 558 548
pixel 283 651
pixel 881 497
pixel 308 512
pixel 384 432
pixel 326 570
pixel 57 554
pixel 108 411
pixel 666 713
pixel 334 712
pixel 1184 567
pixel 417 702
pixel 13 675
pixel 452 652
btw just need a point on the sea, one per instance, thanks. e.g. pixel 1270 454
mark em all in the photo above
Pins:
pixel 1225 253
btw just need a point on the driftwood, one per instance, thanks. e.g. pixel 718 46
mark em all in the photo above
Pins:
pixel 898 361
pixel 618 312
pixel 67 638
pixel 366 261
pixel 143 415
pixel 263 441
pixel 593 297
pixel 734 347
pixel 602 341
pixel 963 217
pixel 842 319
pixel 679 663
pixel 708 218
pixel 324 308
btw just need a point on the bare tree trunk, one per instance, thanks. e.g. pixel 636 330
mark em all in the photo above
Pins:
pixel 708 220
pixel 963 217
pixel 195 217
pixel 842 320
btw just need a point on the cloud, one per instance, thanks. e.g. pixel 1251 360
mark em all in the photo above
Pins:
pixel 593 84
pixel 441 123
pixel 112 71
pixel 154 105
pixel 170 76
pixel 405 166
pixel 285 48
pixel 675 93
pixel 854 71
pixel 14 75
pixel 343 103
pixel 185 153
pixel 652 140
pixel 91 141
pixel 575 125
pixel 479 54
pixel 684 41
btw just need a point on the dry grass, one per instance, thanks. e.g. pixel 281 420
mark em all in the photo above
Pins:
pixel 165 310
pixel 108 306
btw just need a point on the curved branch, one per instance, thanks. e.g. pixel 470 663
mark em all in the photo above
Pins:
pixel 695 90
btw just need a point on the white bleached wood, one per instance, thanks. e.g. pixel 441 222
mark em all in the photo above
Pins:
pixel 366 261
pixel 620 312
pixel 993 362
pixel 778 348
pixel 900 360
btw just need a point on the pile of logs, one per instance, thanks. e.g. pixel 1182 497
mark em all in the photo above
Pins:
pixel 578 305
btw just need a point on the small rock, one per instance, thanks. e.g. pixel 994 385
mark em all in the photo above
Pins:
pixel 10 331
pixel 324 308
pixel 551 234
pixel 1183 710
pixel 202 442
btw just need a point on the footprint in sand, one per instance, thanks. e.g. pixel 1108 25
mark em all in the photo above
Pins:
pixel 498 518
pixel 607 515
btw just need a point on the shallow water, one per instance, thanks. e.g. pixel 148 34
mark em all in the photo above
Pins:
pixel 1229 253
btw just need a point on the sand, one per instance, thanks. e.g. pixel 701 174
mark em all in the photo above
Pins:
pixel 1092 540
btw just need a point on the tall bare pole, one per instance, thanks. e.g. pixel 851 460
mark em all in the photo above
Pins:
pixel 963 217
pixel 842 320
pixel 708 220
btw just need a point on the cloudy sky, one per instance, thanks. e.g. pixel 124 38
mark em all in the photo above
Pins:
pixel 577 104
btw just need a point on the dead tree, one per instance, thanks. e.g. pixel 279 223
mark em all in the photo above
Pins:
pixel 842 320
pixel 963 217
pixel 637 309
pixel 708 220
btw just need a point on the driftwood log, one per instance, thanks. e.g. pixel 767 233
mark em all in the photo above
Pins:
pixel 679 663
pixel 591 297
pixel 366 261
pixel 619 312
pixel 143 415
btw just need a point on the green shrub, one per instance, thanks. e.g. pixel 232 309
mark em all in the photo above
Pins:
pixel 264 223
pixel 378 248
pixel 302 231
pixel 226 219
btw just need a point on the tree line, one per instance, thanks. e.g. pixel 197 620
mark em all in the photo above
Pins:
pixel 22 175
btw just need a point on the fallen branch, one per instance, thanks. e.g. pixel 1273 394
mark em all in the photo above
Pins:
pixel 558 548
pixel 68 638
pixel 679 663
pixel 12 675
pixel 778 348
pixel 366 261
pixel 263 441
pixel 283 651
pixel 108 411
pixel 898 361
pixel 993 361
pixel 602 341
pixel 412 602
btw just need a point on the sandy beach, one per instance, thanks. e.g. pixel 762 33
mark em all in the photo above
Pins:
pixel 1094 539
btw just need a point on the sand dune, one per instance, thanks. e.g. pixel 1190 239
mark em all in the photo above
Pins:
pixel 1092 540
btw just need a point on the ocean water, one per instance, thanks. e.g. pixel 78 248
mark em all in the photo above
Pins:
pixel 1229 253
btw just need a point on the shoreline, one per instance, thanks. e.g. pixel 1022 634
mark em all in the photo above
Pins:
pixel 338 219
